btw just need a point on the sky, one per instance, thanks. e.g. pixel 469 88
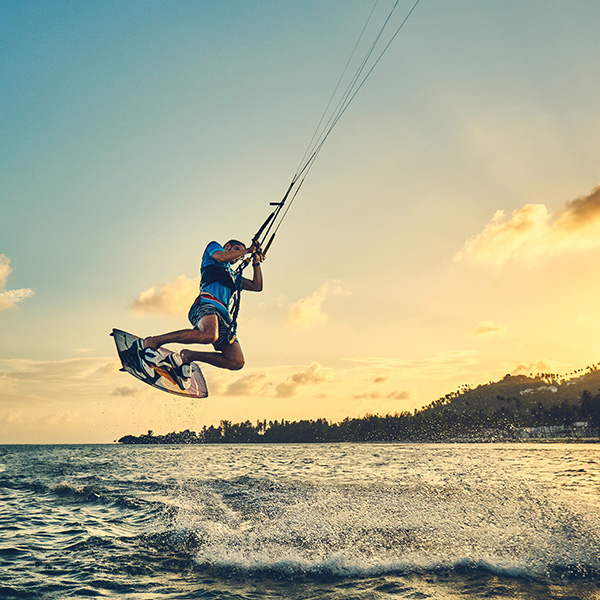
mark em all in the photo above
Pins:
pixel 448 233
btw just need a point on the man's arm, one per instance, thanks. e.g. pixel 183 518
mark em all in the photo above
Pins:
pixel 228 256
pixel 256 283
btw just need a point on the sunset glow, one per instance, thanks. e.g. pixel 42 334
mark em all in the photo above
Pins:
pixel 448 234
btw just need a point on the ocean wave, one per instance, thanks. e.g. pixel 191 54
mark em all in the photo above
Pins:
pixel 190 546
pixel 342 565
pixel 276 529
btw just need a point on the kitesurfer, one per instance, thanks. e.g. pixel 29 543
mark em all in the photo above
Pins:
pixel 209 314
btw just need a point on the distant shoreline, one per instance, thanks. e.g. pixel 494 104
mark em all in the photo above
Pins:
pixel 378 442
pixel 158 441
pixel 515 409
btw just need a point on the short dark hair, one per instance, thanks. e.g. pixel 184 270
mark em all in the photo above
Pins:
pixel 235 242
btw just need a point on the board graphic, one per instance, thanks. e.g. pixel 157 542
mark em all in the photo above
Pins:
pixel 159 377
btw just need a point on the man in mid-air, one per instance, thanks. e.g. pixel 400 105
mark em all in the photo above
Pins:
pixel 210 313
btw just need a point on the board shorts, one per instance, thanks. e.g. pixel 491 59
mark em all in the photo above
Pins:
pixel 202 309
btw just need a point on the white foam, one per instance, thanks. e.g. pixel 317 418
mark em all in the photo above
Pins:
pixel 363 530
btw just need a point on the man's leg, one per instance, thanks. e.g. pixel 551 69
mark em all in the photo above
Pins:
pixel 231 357
pixel 205 333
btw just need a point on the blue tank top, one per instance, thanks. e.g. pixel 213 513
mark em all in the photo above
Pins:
pixel 220 291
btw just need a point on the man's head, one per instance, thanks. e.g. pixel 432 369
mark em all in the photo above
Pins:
pixel 233 245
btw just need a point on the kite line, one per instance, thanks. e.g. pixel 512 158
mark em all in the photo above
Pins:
pixel 329 120
pixel 332 114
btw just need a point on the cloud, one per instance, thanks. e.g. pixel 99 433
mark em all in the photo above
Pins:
pixel 5 269
pixel 311 375
pixel 274 382
pixel 66 374
pixel 532 233
pixel 174 298
pixel 249 385
pixel 288 381
pixel 309 311
pixel 489 328
pixel 10 298
pixel 541 366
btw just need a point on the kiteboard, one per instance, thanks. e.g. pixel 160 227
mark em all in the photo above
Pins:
pixel 159 376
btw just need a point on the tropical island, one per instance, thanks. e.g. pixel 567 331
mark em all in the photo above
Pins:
pixel 516 408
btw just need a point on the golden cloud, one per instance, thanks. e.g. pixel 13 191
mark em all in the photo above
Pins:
pixel 488 328
pixel 10 298
pixel 313 374
pixel 82 371
pixel 541 366
pixel 532 233
pixel 249 385
pixel 309 311
pixel 174 298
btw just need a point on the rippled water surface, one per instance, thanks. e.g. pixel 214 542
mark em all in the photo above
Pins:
pixel 340 521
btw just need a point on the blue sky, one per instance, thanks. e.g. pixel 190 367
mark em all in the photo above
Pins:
pixel 135 133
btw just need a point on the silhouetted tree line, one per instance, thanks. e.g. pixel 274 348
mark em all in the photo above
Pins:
pixel 429 424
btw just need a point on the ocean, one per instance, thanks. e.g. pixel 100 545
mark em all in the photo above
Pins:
pixel 319 521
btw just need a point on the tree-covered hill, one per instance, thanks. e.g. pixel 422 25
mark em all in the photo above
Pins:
pixel 521 392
